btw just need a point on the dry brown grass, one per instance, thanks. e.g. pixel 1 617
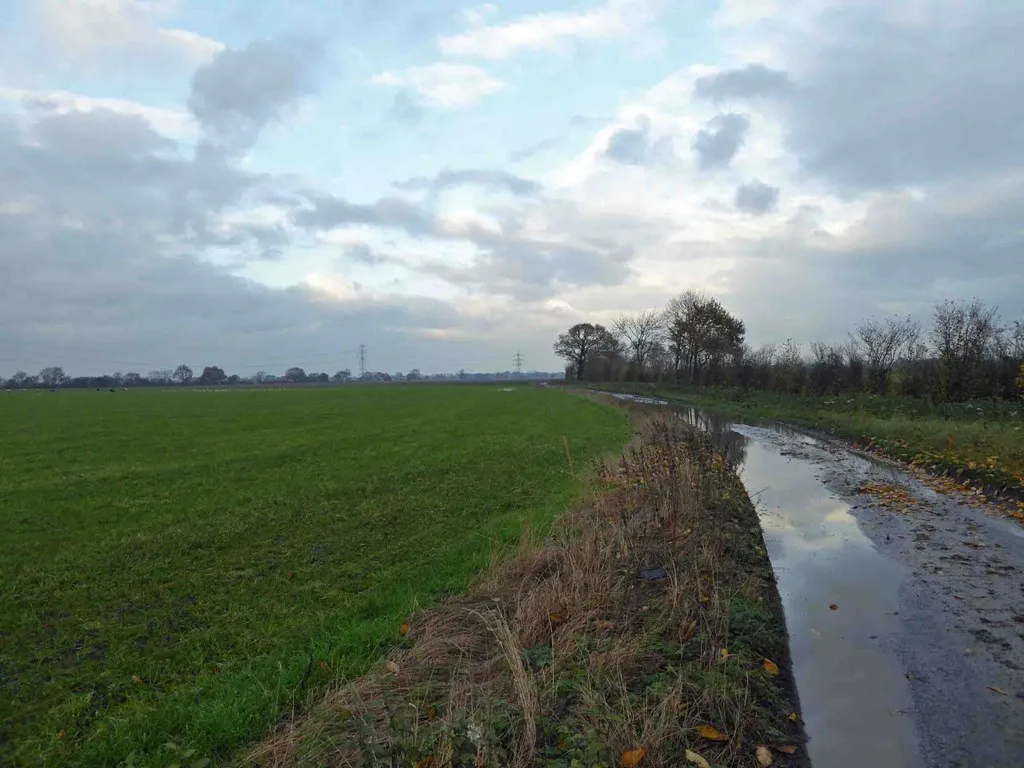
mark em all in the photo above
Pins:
pixel 563 652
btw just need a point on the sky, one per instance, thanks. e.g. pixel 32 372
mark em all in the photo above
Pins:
pixel 257 184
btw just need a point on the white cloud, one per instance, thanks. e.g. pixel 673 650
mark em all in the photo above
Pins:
pixel 449 86
pixel 194 45
pixel 173 123
pixel 549 31
pixel 88 31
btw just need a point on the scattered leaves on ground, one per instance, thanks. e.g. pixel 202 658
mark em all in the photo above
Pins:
pixel 696 759
pixel 890 495
pixel 711 733
pixel 633 757
pixel 764 756
pixel 771 667
pixel 786 749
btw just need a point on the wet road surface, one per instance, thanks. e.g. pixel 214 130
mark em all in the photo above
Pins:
pixel 906 620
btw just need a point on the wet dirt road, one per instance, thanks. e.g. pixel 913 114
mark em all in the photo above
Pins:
pixel 904 606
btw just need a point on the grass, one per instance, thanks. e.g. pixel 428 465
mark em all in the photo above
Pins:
pixel 982 441
pixel 564 655
pixel 180 568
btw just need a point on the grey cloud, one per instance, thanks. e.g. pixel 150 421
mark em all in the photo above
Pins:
pixel 239 92
pixel 886 104
pixel 510 262
pixel 718 142
pixel 905 255
pixel 71 164
pixel 519 155
pixel 488 179
pixel 362 253
pixel 634 146
pixel 407 109
pixel 530 269
pixel 756 197
pixel 749 82
pixel 103 265
pixel 585 121
pixel 106 258
pixel 97 132
pixel 326 212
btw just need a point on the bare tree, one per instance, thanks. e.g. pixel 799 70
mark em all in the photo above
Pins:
pixel 883 343
pixel 52 377
pixel 581 343
pixel 182 374
pixel 161 377
pixel 1014 342
pixel 678 321
pixel 642 333
pixel 700 333
pixel 19 380
pixel 827 367
pixel 790 369
pixel 963 335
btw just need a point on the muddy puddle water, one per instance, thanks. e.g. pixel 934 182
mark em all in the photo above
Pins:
pixel 853 693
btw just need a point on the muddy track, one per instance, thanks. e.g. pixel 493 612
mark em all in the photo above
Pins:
pixel 904 605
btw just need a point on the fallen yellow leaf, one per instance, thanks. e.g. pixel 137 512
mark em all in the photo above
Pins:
pixel 403 630
pixel 392 667
pixel 693 757
pixel 794 717
pixel 764 756
pixel 786 749
pixel 724 653
pixel 771 667
pixel 711 733
pixel 555 618
pixel 324 667
pixel 633 757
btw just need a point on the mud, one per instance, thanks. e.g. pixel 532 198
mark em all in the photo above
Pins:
pixel 904 606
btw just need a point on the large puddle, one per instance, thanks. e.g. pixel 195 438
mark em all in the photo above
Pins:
pixel 853 693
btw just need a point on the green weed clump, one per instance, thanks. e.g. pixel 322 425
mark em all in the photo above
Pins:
pixel 183 567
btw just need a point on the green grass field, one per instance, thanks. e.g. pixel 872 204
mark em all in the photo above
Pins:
pixel 982 440
pixel 186 566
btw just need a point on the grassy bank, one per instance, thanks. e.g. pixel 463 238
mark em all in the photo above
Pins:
pixel 980 441
pixel 645 631
pixel 183 566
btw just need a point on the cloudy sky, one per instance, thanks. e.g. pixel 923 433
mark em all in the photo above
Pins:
pixel 265 183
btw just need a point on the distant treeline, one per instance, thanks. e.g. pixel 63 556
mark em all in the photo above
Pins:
pixel 212 375
pixel 965 351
